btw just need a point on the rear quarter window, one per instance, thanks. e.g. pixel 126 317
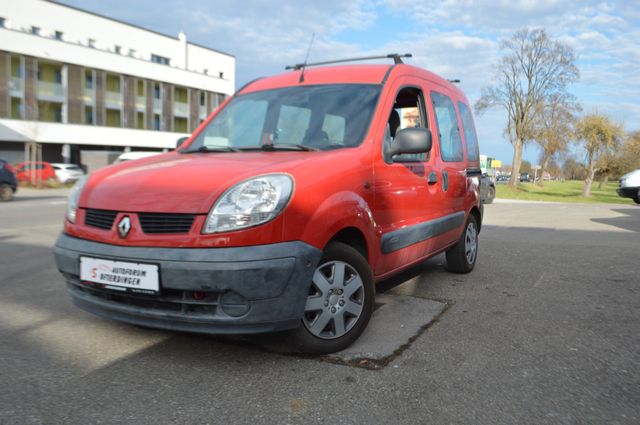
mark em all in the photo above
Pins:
pixel 448 128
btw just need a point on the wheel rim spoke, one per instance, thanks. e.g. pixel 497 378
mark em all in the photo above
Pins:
pixel 321 282
pixel 338 273
pixel 338 325
pixel 353 308
pixel 352 286
pixel 320 323
pixel 314 303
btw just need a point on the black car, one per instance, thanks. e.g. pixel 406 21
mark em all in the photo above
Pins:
pixel 8 184
pixel 487 189
pixel 525 178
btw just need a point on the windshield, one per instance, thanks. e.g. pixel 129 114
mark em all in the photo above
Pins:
pixel 305 118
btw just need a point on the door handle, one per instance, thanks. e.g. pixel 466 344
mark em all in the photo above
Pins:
pixel 433 178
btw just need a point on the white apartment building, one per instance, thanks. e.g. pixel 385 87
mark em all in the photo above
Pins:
pixel 73 83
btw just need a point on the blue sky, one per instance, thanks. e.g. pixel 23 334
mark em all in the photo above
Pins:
pixel 454 38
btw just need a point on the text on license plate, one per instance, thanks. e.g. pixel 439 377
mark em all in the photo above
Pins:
pixel 120 274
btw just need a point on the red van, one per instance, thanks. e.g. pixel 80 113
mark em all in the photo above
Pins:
pixel 283 209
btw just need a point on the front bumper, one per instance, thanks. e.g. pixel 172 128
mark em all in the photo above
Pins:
pixel 628 192
pixel 246 290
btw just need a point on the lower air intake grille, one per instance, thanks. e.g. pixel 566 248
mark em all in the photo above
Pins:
pixel 165 223
pixel 102 219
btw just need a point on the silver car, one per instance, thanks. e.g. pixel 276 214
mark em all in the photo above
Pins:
pixel 629 186
pixel 66 173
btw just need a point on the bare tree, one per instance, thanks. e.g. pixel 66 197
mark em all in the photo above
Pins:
pixel 553 128
pixel 599 136
pixel 534 69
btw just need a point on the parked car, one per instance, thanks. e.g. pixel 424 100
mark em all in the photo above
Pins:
pixel 524 178
pixel 43 171
pixel 66 173
pixel 502 179
pixel 487 189
pixel 283 211
pixel 129 156
pixel 8 183
pixel 629 186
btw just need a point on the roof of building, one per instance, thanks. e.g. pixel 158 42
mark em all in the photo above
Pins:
pixel 135 26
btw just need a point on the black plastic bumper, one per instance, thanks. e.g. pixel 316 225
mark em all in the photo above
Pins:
pixel 246 289
pixel 628 192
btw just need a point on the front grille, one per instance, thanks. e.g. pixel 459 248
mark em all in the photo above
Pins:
pixel 102 219
pixel 171 300
pixel 165 223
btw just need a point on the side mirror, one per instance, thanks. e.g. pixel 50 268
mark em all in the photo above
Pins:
pixel 409 140
pixel 180 141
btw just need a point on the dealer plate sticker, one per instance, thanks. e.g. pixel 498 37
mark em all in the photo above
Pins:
pixel 120 275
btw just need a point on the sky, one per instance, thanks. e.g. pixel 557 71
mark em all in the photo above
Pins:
pixel 457 39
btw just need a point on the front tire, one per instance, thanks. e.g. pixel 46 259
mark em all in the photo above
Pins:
pixel 637 198
pixel 461 258
pixel 340 302
pixel 6 193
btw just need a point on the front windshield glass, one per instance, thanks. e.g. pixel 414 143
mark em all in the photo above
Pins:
pixel 307 118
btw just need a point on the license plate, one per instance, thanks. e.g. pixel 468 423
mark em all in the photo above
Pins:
pixel 120 275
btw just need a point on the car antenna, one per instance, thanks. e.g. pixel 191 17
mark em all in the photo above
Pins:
pixel 306 58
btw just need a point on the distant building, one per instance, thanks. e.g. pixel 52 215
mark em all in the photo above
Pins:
pixel 72 81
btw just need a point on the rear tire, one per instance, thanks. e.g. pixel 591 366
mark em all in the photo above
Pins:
pixel 461 258
pixel 340 302
pixel 6 193
pixel 637 198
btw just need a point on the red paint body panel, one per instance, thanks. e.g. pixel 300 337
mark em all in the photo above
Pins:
pixel 43 172
pixel 334 190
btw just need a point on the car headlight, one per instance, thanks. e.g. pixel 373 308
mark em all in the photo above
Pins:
pixel 250 203
pixel 74 196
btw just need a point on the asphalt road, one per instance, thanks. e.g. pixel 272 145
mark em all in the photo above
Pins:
pixel 545 330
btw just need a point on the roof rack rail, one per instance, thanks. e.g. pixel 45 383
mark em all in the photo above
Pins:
pixel 397 59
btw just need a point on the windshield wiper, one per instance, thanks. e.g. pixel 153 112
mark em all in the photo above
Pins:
pixel 204 148
pixel 270 147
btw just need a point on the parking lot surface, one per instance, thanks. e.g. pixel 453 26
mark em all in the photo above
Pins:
pixel 545 330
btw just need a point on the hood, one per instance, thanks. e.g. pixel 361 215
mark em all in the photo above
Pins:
pixel 180 183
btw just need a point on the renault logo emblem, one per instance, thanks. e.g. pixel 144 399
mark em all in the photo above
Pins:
pixel 124 226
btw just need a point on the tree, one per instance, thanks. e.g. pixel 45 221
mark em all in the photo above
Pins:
pixel 533 70
pixel 553 128
pixel 573 170
pixel 599 136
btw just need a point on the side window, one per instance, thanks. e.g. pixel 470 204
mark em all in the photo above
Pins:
pixel 448 128
pixel 334 126
pixel 293 122
pixel 407 112
pixel 470 137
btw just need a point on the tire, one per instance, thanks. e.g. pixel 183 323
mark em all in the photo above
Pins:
pixel 491 195
pixel 461 258
pixel 637 198
pixel 340 303
pixel 6 193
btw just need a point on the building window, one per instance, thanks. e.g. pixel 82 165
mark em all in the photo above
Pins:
pixel 202 98
pixel 140 88
pixel 35 30
pixel 88 115
pixel 140 116
pixel 88 80
pixel 91 43
pixel 221 74
pixel 156 91
pixel 156 122
pixel 159 59
pixel 58 35
pixel 114 118
pixel 132 52
pixel 117 49
pixel 58 76
pixel 2 22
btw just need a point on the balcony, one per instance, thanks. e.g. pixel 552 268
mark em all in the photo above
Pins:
pixel 113 99
pixel 48 90
pixel 180 109
pixel 141 102
pixel 16 86
pixel 88 95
